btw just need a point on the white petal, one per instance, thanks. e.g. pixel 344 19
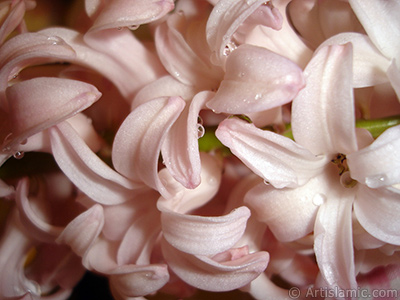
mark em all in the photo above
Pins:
pixel 377 210
pixel 277 159
pixel 333 244
pixel 323 117
pixel 378 164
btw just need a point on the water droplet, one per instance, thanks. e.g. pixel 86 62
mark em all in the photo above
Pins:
pixel 19 154
pixel 55 40
pixel 318 199
pixel 200 120
pixel 200 131
pixel 346 180
pixel 133 27
pixel 258 96
pixel 376 181
pixel 229 48
pixel 119 28
pixel 266 182
pixel 176 74
pixel 241 74
pixel 24 142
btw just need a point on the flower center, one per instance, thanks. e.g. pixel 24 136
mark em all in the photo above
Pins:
pixel 341 163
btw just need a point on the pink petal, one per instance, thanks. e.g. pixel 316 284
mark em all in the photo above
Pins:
pixel 286 41
pixel 13 18
pixel 86 170
pixel 81 232
pixel 37 227
pixel 37 104
pixel 277 159
pixel 380 21
pixel 256 79
pixel 290 212
pixel 109 52
pixel 140 237
pixel 204 235
pixel 180 149
pixel 333 240
pixel 323 118
pixel 180 60
pixel 128 13
pixel 27 49
pixel 385 169
pixel 135 281
pixel 369 65
pixel 207 274
pixel 225 19
pixel 184 200
pixel 141 136
pixel 377 211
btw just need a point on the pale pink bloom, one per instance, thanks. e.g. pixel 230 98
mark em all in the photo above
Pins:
pixel 312 197
pixel 121 240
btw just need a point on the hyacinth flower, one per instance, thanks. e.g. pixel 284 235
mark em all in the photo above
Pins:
pixel 125 123
pixel 306 181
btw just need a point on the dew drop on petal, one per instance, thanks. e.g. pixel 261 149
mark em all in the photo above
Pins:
pixel 200 120
pixel 55 40
pixel 19 154
pixel 266 182
pixel 24 142
pixel 376 180
pixel 258 97
pixel 200 131
pixel 318 199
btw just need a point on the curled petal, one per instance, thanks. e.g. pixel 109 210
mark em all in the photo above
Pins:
pixel 323 118
pixel 109 52
pixel 333 244
pixel 204 235
pixel 138 141
pixel 277 159
pixel 13 18
pixel 256 79
pixel 86 170
pixel 377 165
pixel 128 13
pixel 225 19
pixel 37 227
pixel 286 41
pixel 40 103
pixel 377 211
pixel 81 232
pixel 140 236
pixel 184 200
pixel 211 275
pixel 30 48
pixel 369 65
pixel 135 281
pixel 180 149
pixel 181 61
